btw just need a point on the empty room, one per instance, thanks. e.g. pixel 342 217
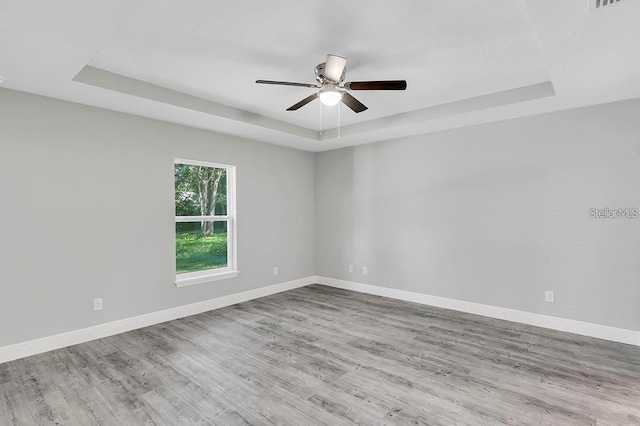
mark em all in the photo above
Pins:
pixel 333 213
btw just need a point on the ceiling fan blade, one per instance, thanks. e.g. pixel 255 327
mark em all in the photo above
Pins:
pixel 353 103
pixel 287 83
pixel 376 85
pixel 334 67
pixel 303 102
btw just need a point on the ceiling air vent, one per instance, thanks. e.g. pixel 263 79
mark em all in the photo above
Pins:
pixel 599 4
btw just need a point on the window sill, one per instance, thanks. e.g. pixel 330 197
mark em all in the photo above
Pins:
pixel 187 281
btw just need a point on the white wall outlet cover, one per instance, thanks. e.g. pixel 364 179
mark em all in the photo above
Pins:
pixel 275 270
pixel 549 296
pixel 97 304
pixel 365 270
pixel 350 268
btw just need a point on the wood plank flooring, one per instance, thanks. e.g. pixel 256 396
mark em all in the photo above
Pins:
pixel 319 355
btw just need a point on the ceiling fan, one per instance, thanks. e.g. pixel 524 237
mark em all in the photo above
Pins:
pixel 330 77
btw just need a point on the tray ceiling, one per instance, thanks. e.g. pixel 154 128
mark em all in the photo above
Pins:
pixel 195 62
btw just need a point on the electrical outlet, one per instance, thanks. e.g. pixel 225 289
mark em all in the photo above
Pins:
pixel 365 271
pixel 350 268
pixel 549 296
pixel 275 270
pixel 97 304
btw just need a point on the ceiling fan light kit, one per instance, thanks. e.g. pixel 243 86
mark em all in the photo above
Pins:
pixel 330 75
pixel 330 97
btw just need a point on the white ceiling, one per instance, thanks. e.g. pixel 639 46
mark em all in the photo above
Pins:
pixel 195 62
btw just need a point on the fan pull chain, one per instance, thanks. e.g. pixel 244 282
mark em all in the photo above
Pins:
pixel 339 120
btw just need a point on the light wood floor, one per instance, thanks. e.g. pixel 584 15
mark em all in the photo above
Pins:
pixel 319 355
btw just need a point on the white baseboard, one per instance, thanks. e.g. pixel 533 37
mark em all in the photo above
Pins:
pixel 37 346
pixel 562 324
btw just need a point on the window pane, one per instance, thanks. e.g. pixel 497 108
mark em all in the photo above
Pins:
pixel 200 246
pixel 200 190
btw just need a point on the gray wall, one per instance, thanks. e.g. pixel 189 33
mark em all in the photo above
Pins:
pixel 87 211
pixel 494 214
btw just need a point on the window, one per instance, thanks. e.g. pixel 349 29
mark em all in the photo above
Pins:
pixel 205 222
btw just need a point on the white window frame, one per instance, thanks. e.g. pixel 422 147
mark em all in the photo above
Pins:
pixel 231 270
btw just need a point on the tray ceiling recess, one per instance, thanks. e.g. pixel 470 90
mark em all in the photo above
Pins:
pixel 196 62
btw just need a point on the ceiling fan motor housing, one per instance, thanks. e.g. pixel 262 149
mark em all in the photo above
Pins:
pixel 319 70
